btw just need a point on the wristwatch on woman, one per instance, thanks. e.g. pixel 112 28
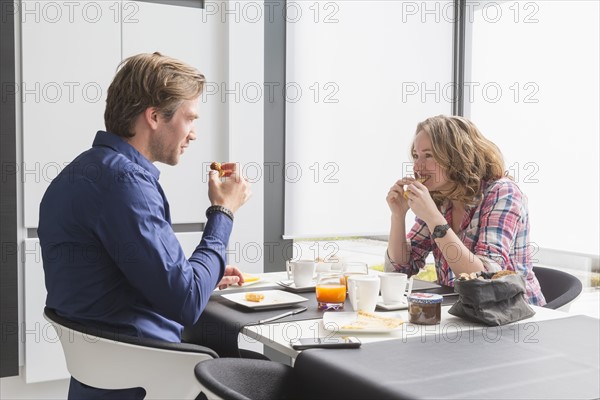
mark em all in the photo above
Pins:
pixel 440 231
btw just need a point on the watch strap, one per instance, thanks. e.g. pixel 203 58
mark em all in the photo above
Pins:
pixel 224 210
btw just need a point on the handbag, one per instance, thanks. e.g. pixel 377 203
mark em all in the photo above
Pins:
pixel 493 302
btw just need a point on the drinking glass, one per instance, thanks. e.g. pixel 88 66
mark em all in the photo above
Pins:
pixel 353 268
pixel 331 291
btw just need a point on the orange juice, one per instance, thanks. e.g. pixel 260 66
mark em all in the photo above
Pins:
pixel 331 293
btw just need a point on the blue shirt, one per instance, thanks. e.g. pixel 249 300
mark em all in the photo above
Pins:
pixel 110 255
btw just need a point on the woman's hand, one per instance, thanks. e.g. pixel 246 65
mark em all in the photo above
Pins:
pixel 421 203
pixel 231 276
pixel 396 198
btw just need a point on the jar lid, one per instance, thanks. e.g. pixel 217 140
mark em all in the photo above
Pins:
pixel 425 298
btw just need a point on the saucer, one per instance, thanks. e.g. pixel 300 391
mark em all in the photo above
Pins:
pixel 392 306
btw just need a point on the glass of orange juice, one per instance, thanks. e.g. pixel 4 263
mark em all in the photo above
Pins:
pixel 331 291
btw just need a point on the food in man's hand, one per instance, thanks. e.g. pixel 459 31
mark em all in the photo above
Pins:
pixel 422 180
pixel 502 273
pixel 367 320
pixel 216 166
pixel 254 297
pixel 249 278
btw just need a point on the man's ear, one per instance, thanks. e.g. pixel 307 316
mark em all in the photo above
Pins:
pixel 151 116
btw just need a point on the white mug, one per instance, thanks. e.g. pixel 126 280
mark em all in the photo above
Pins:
pixel 393 287
pixel 301 271
pixel 363 291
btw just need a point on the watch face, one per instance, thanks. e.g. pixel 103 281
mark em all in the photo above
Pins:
pixel 440 231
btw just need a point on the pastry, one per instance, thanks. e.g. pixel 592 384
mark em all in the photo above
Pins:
pixel 254 297
pixel 216 166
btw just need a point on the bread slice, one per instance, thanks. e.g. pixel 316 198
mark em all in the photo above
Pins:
pixel 368 320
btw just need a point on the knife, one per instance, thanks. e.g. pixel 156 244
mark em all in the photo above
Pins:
pixel 286 314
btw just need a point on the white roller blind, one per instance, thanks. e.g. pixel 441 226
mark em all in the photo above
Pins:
pixel 360 76
pixel 535 92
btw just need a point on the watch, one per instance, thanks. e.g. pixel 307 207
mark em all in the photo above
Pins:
pixel 440 231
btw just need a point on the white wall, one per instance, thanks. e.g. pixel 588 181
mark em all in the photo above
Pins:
pixel 238 138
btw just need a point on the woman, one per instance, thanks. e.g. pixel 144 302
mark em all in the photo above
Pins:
pixel 469 214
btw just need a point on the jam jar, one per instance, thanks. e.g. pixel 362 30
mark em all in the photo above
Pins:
pixel 425 308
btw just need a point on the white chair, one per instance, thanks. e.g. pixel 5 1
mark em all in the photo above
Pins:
pixel 106 360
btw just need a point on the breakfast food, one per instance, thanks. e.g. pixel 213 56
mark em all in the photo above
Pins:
pixel 484 276
pixel 216 166
pixel 368 320
pixel 254 297
pixel 425 308
pixel 502 273
pixel 422 180
pixel 466 277
pixel 249 278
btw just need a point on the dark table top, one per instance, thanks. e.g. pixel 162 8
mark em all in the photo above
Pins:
pixel 222 320
pixel 554 359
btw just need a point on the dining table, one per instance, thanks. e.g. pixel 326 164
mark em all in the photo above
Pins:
pixel 549 355
pixel 222 320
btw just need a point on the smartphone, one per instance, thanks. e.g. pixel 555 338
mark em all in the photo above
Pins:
pixel 344 342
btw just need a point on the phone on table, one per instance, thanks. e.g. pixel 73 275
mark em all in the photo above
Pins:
pixel 343 342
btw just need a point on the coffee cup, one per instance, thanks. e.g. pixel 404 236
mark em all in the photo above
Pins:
pixel 363 291
pixel 301 271
pixel 393 287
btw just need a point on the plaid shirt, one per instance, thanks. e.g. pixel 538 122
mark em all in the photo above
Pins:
pixel 496 231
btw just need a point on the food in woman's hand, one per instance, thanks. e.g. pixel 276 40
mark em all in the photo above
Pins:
pixel 422 180
pixel 254 297
pixel 216 166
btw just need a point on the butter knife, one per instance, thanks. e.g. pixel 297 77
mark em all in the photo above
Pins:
pixel 286 314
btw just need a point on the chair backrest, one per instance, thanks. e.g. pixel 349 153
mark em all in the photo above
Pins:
pixel 559 288
pixel 107 360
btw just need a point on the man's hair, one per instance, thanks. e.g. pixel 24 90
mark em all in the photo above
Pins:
pixel 466 155
pixel 149 80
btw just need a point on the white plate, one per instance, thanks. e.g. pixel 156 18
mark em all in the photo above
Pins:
pixel 392 306
pixel 335 320
pixel 273 299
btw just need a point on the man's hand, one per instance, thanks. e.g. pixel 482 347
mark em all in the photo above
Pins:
pixel 231 276
pixel 230 191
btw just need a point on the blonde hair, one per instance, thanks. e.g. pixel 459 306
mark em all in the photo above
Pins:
pixel 149 80
pixel 466 155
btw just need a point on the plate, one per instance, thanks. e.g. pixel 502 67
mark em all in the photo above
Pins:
pixel 292 287
pixel 273 299
pixel 343 321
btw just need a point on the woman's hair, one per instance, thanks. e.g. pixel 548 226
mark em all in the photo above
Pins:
pixel 149 80
pixel 466 155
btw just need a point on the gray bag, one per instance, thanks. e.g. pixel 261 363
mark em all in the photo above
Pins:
pixel 493 302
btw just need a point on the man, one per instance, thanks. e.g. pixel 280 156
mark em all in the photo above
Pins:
pixel 110 256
